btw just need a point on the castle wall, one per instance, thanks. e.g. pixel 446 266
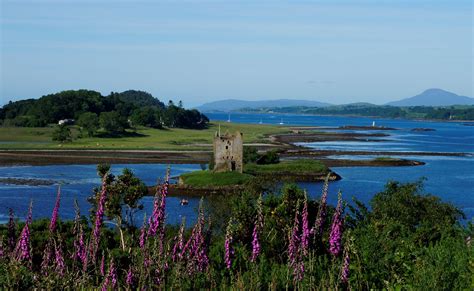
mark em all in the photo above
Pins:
pixel 228 152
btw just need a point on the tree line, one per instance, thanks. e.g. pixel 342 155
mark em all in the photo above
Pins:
pixel 93 112
pixel 413 112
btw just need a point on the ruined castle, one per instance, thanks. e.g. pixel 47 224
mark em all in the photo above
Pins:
pixel 228 152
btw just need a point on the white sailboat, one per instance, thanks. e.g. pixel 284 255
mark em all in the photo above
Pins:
pixel 228 119
pixel 261 122
pixel 281 122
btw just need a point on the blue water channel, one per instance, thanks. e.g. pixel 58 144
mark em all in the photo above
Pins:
pixel 450 178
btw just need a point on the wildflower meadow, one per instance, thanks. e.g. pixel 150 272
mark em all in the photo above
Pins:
pixel 284 240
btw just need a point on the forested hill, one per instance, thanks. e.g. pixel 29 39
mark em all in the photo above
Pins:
pixel 464 112
pixel 127 108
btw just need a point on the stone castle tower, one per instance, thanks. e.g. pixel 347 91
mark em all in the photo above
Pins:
pixel 228 152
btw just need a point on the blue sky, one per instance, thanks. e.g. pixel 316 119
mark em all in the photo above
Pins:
pixel 197 51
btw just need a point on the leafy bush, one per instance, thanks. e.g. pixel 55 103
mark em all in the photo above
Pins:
pixel 270 157
pixel 250 155
pixel 62 134
pixel 89 122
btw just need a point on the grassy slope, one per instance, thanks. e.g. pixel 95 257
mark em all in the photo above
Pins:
pixel 209 178
pixel 169 139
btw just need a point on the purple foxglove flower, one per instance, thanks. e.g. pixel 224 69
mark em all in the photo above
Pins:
pixel 229 251
pixel 179 244
pixel 2 251
pixel 305 232
pixel 153 220
pixel 298 271
pixel 113 274
pixel 11 232
pixel 255 244
pixel 162 216
pixel 102 265
pixel 81 248
pixel 105 285
pixel 187 245
pixel 203 259
pixel 29 218
pixel 295 252
pixel 146 261
pixel 321 216
pixel 47 255
pixel 60 266
pixel 256 231
pixel 23 247
pixel 201 246
pixel 293 247
pixel 335 237
pixel 54 216
pixel 157 216
pixel 99 216
pixel 129 279
pixel 345 267
pixel 142 240
pixel 195 249
pixel 80 252
pixel 156 221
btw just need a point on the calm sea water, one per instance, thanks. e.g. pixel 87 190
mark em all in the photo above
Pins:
pixel 450 178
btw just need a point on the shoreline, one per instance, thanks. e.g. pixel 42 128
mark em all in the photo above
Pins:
pixel 85 157
pixel 177 190
pixel 284 143
pixel 81 157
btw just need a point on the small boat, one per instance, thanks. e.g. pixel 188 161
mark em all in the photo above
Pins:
pixel 184 202
pixel 228 119
pixel 261 122
pixel 281 122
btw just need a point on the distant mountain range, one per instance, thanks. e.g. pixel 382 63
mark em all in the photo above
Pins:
pixel 434 97
pixel 430 97
pixel 234 104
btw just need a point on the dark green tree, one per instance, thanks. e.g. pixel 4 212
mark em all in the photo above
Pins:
pixel 123 197
pixel 89 122
pixel 62 134
pixel 111 122
pixel 250 155
pixel 270 157
pixel 146 116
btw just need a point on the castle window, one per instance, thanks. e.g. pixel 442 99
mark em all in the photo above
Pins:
pixel 226 147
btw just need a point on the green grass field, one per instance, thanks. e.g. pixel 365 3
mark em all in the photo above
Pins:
pixel 386 159
pixel 301 167
pixel 164 139
pixel 209 178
